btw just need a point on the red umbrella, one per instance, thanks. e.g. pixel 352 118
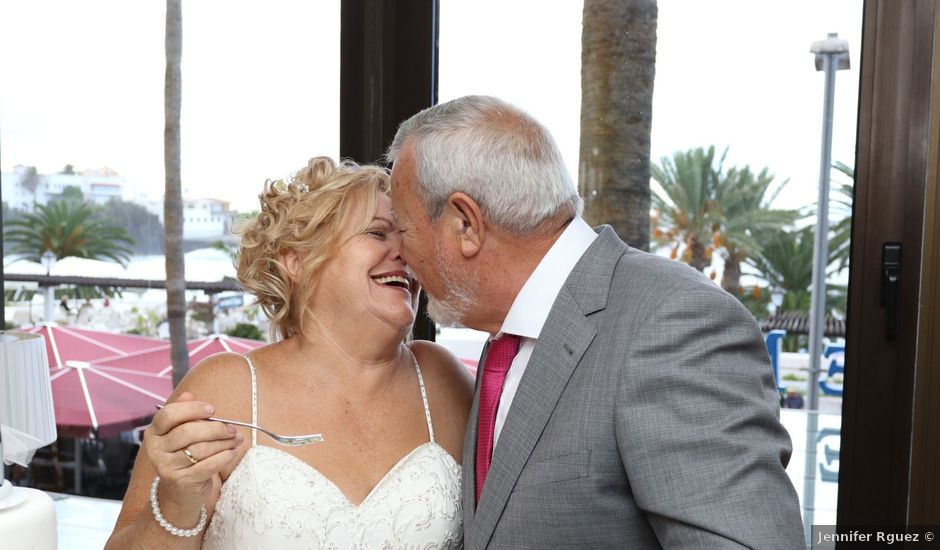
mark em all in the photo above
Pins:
pixel 158 361
pixel 217 343
pixel 88 395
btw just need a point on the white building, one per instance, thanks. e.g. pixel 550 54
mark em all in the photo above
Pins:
pixel 98 186
pixel 203 218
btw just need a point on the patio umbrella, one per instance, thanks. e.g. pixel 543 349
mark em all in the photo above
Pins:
pixel 88 395
pixel 91 398
pixel 156 362
pixel 201 348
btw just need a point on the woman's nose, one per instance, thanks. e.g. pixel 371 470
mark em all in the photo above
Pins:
pixel 396 244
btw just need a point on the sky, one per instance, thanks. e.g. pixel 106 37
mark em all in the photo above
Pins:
pixel 83 83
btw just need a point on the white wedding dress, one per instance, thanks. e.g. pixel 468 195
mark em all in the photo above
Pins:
pixel 273 500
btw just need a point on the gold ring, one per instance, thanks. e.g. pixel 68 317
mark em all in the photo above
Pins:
pixel 190 456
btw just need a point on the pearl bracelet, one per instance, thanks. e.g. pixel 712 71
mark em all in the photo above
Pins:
pixel 158 515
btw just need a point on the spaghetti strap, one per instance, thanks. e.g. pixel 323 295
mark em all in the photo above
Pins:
pixel 254 400
pixel 424 395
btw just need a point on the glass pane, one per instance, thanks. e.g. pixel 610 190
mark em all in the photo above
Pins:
pixel 533 64
pixel 85 87
pixel 737 75
pixel 740 77
pixel 83 104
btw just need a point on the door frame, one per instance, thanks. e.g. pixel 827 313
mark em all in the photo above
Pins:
pixel 886 444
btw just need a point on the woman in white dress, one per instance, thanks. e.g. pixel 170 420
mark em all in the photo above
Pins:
pixel 323 259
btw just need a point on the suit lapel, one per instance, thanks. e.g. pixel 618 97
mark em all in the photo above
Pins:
pixel 551 365
pixel 470 448
pixel 564 339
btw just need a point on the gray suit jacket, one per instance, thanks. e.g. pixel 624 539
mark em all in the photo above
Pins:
pixel 647 417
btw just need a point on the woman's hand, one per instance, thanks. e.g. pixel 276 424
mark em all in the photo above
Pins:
pixel 181 426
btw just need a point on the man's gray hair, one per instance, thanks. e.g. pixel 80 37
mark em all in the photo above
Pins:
pixel 494 152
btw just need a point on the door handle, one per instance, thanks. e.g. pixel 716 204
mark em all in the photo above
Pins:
pixel 890 278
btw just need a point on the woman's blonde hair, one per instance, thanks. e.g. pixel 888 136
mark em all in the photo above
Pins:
pixel 305 214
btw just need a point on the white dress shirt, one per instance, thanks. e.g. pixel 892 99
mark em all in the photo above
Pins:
pixel 532 305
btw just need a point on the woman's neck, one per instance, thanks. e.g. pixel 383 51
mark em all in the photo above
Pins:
pixel 351 362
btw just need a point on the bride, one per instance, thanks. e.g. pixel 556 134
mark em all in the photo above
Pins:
pixel 323 259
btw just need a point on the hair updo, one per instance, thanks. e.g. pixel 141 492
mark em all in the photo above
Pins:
pixel 305 214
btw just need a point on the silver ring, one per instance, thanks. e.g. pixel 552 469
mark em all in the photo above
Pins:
pixel 190 456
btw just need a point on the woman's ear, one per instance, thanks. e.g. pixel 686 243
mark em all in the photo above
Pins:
pixel 291 261
pixel 466 218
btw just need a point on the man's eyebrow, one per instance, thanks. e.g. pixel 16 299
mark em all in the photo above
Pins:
pixel 394 215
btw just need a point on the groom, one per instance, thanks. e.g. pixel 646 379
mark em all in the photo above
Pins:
pixel 624 400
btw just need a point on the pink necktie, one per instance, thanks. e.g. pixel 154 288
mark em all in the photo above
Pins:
pixel 498 359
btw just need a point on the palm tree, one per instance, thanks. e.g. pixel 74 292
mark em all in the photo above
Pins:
pixel 68 228
pixel 31 181
pixel 686 215
pixel 700 208
pixel 840 241
pixel 786 263
pixel 618 58
pixel 173 198
pixel 745 200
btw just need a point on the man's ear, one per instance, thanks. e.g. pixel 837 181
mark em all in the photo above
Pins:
pixel 292 262
pixel 467 221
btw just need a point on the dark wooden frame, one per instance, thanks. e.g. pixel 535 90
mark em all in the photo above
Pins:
pixel 388 72
pixel 924 498
pixel 891 173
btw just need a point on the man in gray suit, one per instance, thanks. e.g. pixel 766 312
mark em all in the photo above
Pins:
pixel 624 400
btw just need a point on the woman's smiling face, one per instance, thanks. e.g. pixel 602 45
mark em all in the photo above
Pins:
pixel 367 277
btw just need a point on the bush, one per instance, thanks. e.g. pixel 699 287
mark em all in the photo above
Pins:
pixel 245 330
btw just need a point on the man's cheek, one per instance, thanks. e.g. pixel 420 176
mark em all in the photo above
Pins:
pixel 410 249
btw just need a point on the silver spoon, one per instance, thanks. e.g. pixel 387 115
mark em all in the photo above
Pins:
pixel 287 440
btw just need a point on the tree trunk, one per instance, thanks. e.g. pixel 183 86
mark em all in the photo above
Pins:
pixel 731 275
pixel 697 256
pixel 173 196
pixel 618 56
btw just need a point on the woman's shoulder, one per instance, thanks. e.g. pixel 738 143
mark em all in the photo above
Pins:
pixel 218 368
pixel 443 369
pixel 222 379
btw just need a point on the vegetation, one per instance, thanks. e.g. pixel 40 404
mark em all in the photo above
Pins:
pixel 787 264
pixel 841 228
pixel 686 217
pixel 145 322
pixel 700 208
pixel 246 330
pixel 68 228
pixel 143 226
pixel 72 193
pixel 9 214
pixel 745 201
pixel 31 181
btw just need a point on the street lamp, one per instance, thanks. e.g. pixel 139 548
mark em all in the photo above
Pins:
pixel 776 298
pixel 48 260
pixel 831 55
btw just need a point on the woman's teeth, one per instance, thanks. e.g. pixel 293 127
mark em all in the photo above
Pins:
pixel 392 280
